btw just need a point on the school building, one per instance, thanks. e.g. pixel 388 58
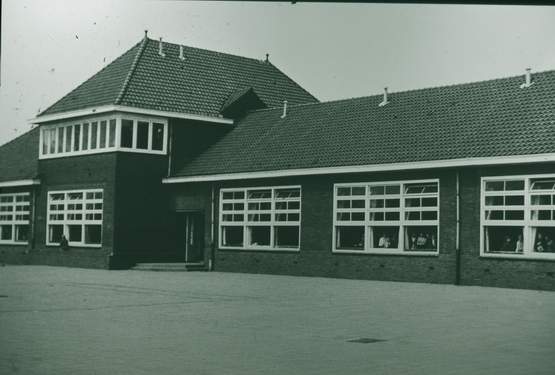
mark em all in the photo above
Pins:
pixel 179 155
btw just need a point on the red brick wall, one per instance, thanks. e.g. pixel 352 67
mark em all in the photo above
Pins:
pixel 316 258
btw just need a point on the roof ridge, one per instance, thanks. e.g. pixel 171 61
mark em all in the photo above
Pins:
pixel 131 70
pixel 213 51
pixel 294 82
pixel 86 80
pixel 402 91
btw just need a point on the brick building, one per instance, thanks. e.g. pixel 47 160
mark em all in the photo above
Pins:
pixel 178 154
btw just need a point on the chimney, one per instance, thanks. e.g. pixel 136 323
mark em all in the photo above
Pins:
pixel 181 55
pixel 161 49
pixel 527 79
pixel 284 109
pixel 384 101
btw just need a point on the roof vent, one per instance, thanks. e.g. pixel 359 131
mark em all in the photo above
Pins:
pixel 161 49
pixel 527 79
pixel 384 101
pixel 267 58
pixel 284 109
pixel 181 55
pixel 146 34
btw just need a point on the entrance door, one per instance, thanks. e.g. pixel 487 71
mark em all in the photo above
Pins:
pixel 194 237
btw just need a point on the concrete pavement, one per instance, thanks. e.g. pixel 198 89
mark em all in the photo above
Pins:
pixel 77 321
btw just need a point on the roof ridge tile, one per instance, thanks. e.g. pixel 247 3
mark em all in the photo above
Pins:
pixel 131 70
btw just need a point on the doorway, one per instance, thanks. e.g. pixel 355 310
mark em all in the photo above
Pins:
pixel 193 241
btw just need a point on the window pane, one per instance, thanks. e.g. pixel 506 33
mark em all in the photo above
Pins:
pixel 384 237
pixel 60 140
pixel 538 200
pixel 358 203
pixel 377 190
pixel 349 238
pixel 393 189
pixel 126 133
pixel 288 193
pixel 421 238
pixel 343 191
pixel 85 136
pixel 514 215
pixel 157 136
pixel 52 141
pixel 45 141
pixel 259 194
pixel 287 236
pixel 543 184
pixel 69 138
pixel 429 215
pixel 21 233
pixel 543 239
pixel 6 232
pixel 505 239
pixel 102 134
pixel 142 135
pixel 94 135
pixel 392 216
pixel 514 200
pixel 232 236
pixel 496 200
pixel 259 236
pixel 76 137
pixel 392 203
pixel 514 185
pixel 93 234
pixel 376 203
pixel 112 133
pixel 55 233
pixel 75 233
pixel 495 185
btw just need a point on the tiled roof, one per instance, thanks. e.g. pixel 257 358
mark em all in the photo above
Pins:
pixel 200 84
pixel 481 119
pixel 19 157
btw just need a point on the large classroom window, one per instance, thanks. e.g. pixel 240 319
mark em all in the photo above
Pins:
pixel 260 218
pixel 518 216
pixel 400 217
pixel 14 218
pixel 118 132
pixel 76 214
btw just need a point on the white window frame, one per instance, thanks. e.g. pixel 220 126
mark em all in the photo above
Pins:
pixel 273 223
pixel 118 117
pixel 14 221
pixel 527 224
pixel 82 222
pixel 402 223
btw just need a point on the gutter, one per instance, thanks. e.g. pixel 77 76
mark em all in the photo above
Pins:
pixel 134 110
pixel 27 182
pixel 449 163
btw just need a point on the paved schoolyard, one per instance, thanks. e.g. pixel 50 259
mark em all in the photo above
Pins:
pixel 75 321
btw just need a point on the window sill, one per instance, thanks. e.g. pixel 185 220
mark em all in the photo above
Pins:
pixel 544 256
pixel 75 246
pixel 261 249
pixel 13 243
pixel 390 252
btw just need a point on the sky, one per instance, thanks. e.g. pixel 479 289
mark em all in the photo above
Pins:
pixel 335 51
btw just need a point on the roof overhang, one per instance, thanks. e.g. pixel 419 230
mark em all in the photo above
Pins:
pixel 121 108
pixel 451 163
pixel 13 183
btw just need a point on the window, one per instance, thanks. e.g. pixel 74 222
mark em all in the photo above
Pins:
pixel 97 135
pixel 77 215
pixel 142 135
pixel 14 218
pixel 387 217
pixel 260 218
pixel 518 216
pixel 127 133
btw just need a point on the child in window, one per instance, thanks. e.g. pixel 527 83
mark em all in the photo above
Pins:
pixel 519 244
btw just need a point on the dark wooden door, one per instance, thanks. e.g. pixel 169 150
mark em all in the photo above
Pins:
pixel 194 237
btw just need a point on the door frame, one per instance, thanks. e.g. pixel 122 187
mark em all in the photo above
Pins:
pixel 188 213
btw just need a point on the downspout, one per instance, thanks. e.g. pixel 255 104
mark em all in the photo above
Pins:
pixel 34 192
pixel 212 229
pixel 457 234
pixel 170 142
